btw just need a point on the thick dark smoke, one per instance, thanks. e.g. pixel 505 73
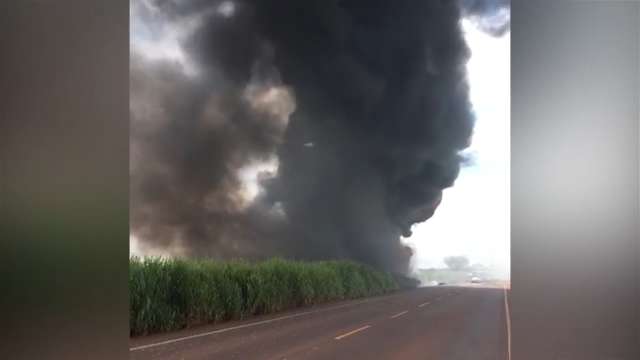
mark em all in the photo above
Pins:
pixel 492 16
pixel 362 104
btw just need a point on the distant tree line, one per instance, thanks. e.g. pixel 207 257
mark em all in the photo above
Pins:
pixel 457 263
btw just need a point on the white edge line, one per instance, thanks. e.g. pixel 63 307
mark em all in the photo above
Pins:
pixel 399 314
pixel 424 304
pixel 352 332
pixel 170 341
pixel 508 317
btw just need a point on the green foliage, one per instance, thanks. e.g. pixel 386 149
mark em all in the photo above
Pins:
pixel 169 294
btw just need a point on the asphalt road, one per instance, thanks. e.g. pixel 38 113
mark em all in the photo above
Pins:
pixel 443 323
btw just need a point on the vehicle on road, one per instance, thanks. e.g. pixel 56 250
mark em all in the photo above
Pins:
pixel 475 280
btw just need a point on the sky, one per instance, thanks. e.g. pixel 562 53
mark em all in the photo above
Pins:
pixel 473 218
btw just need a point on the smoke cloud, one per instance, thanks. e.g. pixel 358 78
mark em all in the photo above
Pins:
pixel 491 16
pixel 305 129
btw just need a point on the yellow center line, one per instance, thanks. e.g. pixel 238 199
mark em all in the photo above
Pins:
pixel 424 304
pixel 399 314
pixel 352 332
pixel 256 323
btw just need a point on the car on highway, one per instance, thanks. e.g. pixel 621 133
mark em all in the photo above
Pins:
pixel 442 283
pixel 475 280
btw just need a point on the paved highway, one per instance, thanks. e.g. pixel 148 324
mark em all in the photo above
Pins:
pixel 440 323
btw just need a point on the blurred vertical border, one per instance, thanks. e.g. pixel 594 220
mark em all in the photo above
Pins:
pixel 574 179
pixel 64 179
pixel 64 130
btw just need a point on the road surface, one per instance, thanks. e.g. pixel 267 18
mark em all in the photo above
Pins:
pixel 440 323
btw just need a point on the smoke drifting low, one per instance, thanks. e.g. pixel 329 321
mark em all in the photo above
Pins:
pixel 305 129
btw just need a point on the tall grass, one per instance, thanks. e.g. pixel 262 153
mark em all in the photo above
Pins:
pixel 168 294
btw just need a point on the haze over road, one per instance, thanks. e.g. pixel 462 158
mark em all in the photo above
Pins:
pixel 451 323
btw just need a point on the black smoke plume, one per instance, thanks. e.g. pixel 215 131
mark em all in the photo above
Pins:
pixel 491 16
pixel 363 106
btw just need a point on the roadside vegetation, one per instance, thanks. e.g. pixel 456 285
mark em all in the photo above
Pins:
pixel 170 294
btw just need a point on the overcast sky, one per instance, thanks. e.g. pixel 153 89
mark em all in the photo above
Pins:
pixel 473 218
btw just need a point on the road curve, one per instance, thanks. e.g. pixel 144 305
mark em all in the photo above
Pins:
pixel 444 323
